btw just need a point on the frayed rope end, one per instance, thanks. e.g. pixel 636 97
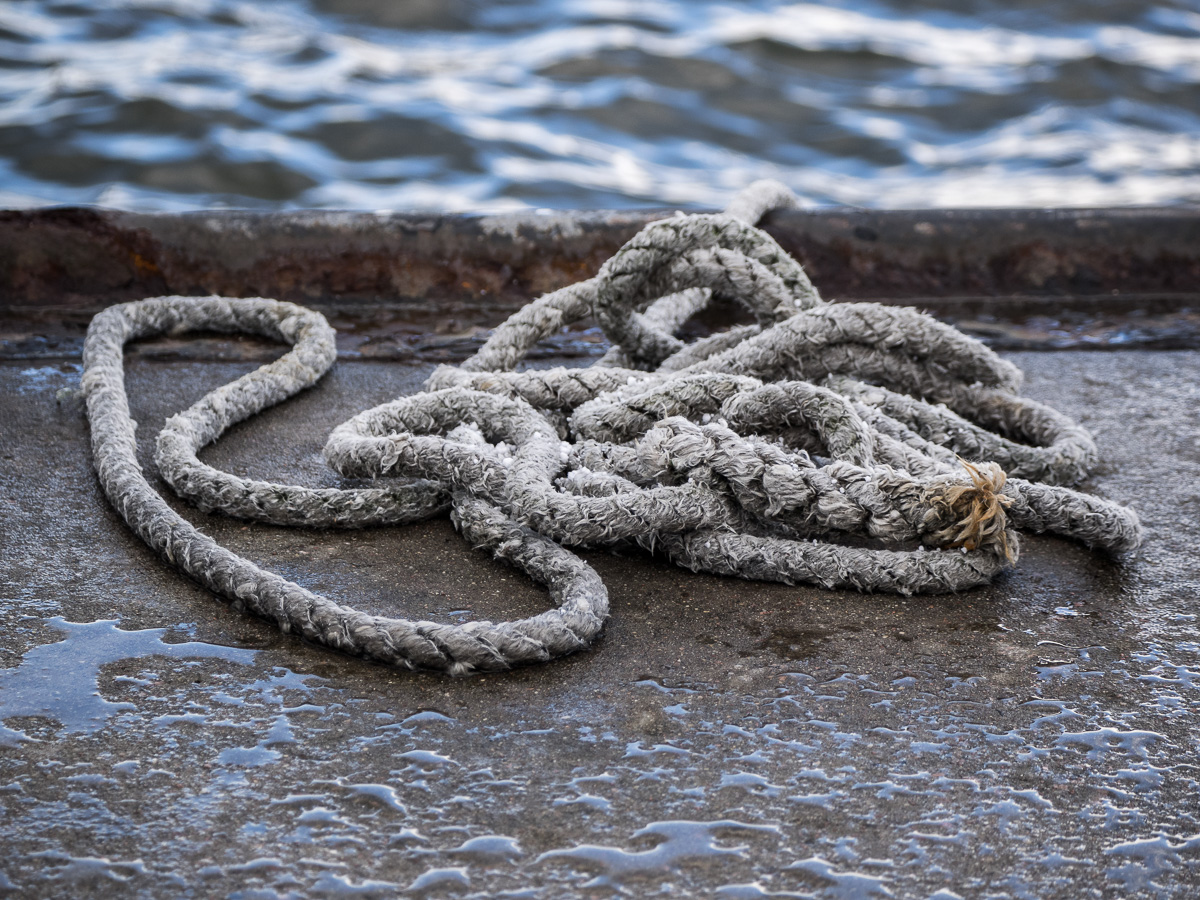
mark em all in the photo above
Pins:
pixel 977 511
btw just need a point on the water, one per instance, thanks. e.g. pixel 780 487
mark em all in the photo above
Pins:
pixel 457 105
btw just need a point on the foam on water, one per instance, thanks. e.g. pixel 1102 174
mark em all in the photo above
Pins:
pixel 596 103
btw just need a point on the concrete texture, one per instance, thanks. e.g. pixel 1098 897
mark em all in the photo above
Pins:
pixel 1037 738
pixel 76 258
pixel 414 287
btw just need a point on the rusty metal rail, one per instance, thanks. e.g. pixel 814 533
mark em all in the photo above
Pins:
pixel 428 286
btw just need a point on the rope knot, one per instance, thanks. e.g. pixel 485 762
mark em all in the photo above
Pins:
pixel 976 511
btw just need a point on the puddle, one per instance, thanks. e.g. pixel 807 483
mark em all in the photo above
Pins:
pixel 37 687
pixel 678 844
pixel 57 382
pixel 841 885
pixel 489 848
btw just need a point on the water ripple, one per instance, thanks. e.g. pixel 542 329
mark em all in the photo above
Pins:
pixel 595 103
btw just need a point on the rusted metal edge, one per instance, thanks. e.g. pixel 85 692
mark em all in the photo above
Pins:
pixel 416 285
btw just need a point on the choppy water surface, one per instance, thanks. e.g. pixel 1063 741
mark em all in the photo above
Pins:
pixel 454 105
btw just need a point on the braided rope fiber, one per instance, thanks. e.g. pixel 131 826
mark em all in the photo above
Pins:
pixel 848 445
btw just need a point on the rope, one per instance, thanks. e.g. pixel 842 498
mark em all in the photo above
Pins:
pixel 825 444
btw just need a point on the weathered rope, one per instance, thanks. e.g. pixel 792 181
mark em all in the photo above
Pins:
pixel 847 445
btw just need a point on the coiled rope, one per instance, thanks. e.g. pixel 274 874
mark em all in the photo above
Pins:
pixel 848 445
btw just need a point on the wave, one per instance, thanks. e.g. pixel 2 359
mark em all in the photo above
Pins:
pixel 596 103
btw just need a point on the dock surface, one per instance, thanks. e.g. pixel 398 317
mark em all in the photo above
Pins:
pixel 1035 738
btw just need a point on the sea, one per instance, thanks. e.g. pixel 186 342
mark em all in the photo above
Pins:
pixel 460 105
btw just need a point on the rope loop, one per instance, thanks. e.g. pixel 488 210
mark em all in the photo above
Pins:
pixel 728 257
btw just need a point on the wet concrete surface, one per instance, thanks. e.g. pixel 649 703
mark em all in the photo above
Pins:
pixel 1037 738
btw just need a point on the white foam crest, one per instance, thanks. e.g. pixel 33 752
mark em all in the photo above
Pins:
pixel 815 27
pixel 475 55
pixel 1133 46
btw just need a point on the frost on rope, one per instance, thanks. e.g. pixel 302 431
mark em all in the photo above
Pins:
pixel 848 445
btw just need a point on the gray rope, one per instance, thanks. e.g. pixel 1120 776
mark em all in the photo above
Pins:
pixel 580 596
pixel 845 445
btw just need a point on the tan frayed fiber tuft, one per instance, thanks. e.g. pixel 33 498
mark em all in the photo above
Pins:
pixel 979 511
